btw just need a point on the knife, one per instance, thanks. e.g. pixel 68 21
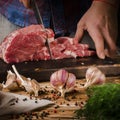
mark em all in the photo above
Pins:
pixel 35 8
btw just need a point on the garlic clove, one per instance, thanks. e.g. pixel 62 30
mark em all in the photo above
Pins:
pixel 11 83
pixel 59 78
pixel 10 79
pixel 63 81
pixel 70 82
pixel 62 75
pixel 94 76
pixel 90 73
pixel 31 86
pixel 99 78
pixel 53 80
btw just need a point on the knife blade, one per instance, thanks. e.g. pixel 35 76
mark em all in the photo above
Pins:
pixel 35 8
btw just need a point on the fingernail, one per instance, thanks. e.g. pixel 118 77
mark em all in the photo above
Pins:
pixel 102 55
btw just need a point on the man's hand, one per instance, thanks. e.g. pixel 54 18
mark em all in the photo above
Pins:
pixel 101 23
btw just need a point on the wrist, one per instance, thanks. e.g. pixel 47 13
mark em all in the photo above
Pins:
pixel 112 3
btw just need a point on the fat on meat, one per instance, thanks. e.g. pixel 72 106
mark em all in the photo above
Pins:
pixel 28 44
pixel 63 47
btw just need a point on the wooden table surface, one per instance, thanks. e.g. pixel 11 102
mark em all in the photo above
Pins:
pixel 64 108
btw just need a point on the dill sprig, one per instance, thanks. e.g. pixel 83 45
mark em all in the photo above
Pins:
pixel 103 103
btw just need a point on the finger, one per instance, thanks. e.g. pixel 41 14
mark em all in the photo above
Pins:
pixel 110 40
pixel 79 34
pixel 107 52
pixel 98 39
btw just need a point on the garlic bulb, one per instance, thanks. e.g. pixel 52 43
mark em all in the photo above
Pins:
pixel 94 76
pixel 31 86
pixel 11 82
pixel 11 77
pixel 63 81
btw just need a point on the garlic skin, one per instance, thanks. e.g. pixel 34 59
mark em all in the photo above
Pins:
pixel 31 86
pixel 11 82
pixel 63 81
pixel 94 76
pixel 10 78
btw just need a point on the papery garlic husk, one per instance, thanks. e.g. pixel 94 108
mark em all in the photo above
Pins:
pixel 13 87
pixel 11 83
pixel 94 76
pixel 31 86
pixel 11 77
pixel 63 81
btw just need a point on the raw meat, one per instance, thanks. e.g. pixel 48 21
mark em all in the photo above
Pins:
pixel 63 47
pixel 28 44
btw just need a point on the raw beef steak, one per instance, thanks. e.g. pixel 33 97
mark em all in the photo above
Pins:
pixel 28 44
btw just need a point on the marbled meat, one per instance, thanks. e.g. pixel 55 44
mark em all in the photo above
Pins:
pixel 28 44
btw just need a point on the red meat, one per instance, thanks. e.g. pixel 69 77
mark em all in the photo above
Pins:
pixel 28 44
pixel 63 47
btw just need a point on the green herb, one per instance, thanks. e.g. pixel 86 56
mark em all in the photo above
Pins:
pixel 103 103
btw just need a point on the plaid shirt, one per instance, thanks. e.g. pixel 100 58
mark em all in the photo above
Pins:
pixel 60 15
pixel 15 12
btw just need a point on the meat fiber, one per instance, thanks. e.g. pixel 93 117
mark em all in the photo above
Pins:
pixel 63 47
pixel 28 44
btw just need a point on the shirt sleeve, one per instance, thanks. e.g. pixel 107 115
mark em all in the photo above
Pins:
pixel 16 13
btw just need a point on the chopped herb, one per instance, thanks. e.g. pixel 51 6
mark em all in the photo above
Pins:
pixel 103 103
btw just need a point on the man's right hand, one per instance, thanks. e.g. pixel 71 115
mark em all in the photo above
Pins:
pixel 100 21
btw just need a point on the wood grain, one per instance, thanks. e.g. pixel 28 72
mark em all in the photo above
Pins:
pixel 42 70
pixel 64 108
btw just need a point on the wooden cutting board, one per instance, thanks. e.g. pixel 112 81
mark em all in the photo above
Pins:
pixel 64 108
pixel 41 70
